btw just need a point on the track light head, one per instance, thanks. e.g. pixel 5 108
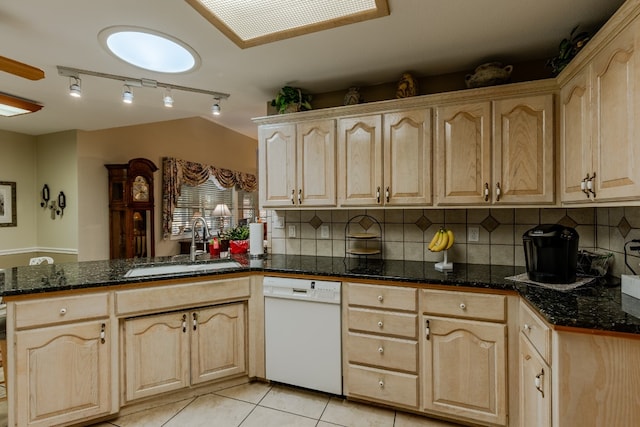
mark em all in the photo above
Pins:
pixel 75 88
pixel 215 108
pixel 167 99
pixel 127 94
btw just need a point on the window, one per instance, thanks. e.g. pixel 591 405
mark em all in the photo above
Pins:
pixel 202 200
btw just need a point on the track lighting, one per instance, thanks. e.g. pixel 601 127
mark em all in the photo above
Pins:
pixel 75 89
pixel 215 108
pixel 127 94
pixel 167 98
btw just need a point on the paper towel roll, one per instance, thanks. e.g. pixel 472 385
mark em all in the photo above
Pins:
pixel 256 230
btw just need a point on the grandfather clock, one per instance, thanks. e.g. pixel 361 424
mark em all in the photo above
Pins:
pixel 131 225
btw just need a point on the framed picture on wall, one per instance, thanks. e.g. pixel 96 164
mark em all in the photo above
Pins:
pixel 8 217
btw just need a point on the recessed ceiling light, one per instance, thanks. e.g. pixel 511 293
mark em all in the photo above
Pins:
pixel 149 49
pixel 251 23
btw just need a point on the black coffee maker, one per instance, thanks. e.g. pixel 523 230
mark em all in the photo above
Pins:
pixel 551 253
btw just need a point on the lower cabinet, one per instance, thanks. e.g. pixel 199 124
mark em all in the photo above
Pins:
pixel 171 351
pixel 464 368
pixel 380 342
pixel 535 376
pixel 464 355
pixel 63 373
pixel 535 387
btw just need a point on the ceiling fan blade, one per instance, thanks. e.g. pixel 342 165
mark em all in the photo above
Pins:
pixel 20 69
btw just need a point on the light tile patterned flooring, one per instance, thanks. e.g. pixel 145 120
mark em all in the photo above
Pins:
pixel 264 405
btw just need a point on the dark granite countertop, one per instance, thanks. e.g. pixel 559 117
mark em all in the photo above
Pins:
pixel 598 305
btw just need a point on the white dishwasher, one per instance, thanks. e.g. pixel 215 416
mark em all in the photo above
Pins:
pixel 303 345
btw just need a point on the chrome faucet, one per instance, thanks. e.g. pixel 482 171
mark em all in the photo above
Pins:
pixel 205 233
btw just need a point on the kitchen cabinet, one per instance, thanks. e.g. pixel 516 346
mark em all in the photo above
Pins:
pixel 599 107
pixel 576 158
pixel 464 355
pixel 496 152
pixel 64 367
pixel 380 341
pixel 385 159
pixel 297 164
pixel 595 379
pixel 171 351
pixel 535 375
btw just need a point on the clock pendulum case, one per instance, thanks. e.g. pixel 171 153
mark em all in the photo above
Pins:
pixel 131 209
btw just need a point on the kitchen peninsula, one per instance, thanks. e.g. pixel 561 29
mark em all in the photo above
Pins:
pixel 99 310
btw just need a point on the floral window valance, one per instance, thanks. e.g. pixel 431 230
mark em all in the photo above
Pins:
pixel 177 172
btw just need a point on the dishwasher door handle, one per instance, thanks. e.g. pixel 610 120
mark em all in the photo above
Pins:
pixel 299 291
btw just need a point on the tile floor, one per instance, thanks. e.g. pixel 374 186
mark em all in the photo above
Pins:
pixel 264 405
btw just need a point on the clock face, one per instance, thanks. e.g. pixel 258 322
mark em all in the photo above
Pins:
pixel 140 189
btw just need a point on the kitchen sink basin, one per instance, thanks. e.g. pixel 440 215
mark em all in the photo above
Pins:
pixel 163 269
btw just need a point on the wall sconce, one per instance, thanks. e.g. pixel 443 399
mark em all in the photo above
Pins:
pixel 55 206
pixel 45 196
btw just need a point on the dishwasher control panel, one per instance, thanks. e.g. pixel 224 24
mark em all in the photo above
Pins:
pixel 304 289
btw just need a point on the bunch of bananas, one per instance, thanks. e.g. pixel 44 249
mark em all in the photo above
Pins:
pixel 442 240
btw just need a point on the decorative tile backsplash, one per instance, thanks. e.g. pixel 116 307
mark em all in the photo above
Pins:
pixel 407 232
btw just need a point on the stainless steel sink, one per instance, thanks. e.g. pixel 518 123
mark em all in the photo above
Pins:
pixel 163 269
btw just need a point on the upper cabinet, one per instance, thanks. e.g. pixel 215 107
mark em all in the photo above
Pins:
pixel 385 159
pixel 297 164
pixel 463 153
pixel 478 147
pixel 498 152
pixel 576 158
pixel 599 108
pixel 360 161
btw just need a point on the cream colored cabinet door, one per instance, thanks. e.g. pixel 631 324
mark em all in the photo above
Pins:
pixel 407 158
pixel 316 170
pixel 616 106
pixel 218 342
pixel 575 137
pixel 63 373
pixel 156 354
pixel 523 151
pixel 535 387
pixel 463 154
pixel 360 161
pixel 277 165
pixel 464 369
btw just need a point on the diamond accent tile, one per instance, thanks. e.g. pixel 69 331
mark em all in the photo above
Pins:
pixel 490 223
pixel 315 222
pixel 366 222
pixel 567 221
pixel 423 223
pixel 624 227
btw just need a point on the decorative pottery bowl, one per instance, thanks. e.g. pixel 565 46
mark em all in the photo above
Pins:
pixel 489 74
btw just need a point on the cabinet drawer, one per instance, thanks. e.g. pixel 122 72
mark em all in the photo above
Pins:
pixel 538 333
pixel 390 353
pixel 466 305
pixel 383 386
pixel 59 310
pixel 382 322
pixel 176 296
pixel 384 297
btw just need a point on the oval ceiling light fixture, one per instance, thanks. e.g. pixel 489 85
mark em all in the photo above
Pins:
pixel 149 49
